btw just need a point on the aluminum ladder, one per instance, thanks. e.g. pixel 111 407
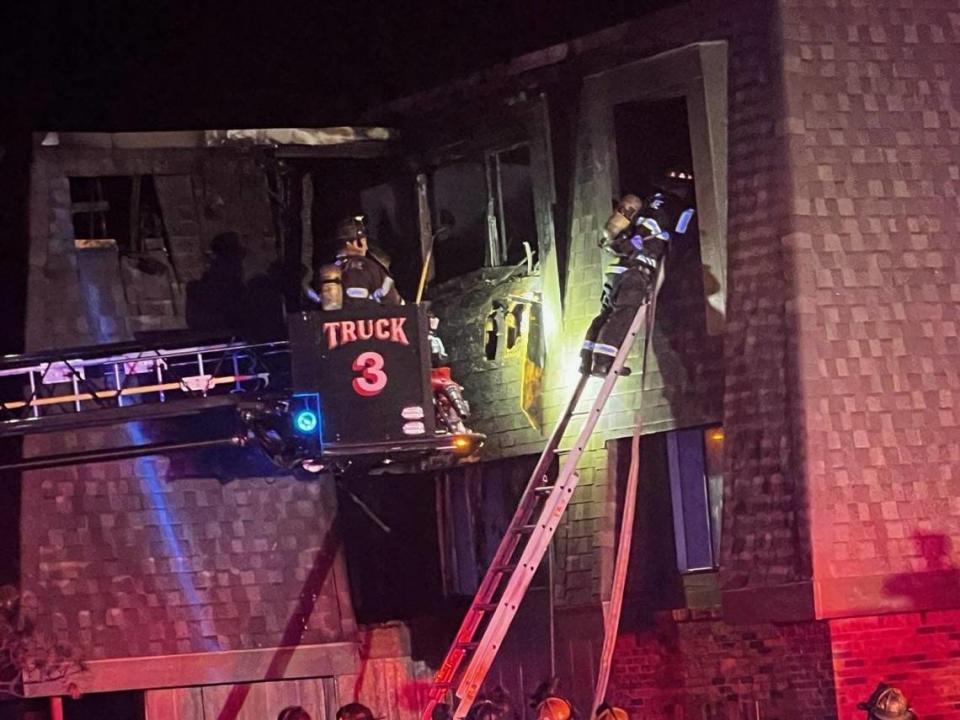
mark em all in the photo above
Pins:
pixel 523 546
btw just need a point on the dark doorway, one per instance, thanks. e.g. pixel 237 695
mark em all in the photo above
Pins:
pixel 395 574
pixel 105 706
pixel 652 137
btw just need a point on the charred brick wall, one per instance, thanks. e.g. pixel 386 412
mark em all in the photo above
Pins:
pixel 469 308
pixel 88 297
pixel 693 665
pixel 873 125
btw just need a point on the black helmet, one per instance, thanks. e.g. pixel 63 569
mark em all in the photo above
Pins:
pixel 351 229
pixel 676 181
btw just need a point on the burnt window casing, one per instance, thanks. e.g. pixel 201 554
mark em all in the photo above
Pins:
pixel 486 207
pixel 510 189
pixel 117 210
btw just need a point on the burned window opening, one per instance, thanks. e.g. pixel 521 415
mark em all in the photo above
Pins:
pixel 385 193
pixel 488 209
pixel 117 210
pixel 510 185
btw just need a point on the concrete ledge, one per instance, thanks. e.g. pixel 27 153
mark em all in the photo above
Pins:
pixel 885 594
pixel 214 668
pixel 790 602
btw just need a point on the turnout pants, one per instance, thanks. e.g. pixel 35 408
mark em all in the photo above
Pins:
pixel 625 289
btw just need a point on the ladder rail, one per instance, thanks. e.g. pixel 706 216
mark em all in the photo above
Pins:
pixel 505 550
pixel 532 554
pixel 500 621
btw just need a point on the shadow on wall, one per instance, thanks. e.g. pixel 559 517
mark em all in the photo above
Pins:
pixel 220 301
pixel 938 581
pixel 690 361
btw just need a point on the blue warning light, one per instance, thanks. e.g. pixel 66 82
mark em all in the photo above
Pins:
pixel 306 421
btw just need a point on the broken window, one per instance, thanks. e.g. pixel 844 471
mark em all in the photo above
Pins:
pixel 487 210
pixel 511 190
pixel 117 211
pixel 460 206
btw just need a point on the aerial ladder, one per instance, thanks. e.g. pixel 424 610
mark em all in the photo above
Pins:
pixel 297 400
pixel 526 540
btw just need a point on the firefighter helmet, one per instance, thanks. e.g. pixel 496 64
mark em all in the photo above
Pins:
pixel 351 229
pixel 553 708
pixel 608 712
pixel 354 711
pixel 676 181
pixel 887 703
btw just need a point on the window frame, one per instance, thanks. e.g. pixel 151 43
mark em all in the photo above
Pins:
pixel 697 72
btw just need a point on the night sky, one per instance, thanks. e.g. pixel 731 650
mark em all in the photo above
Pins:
pixel 112 66
pixel 90 66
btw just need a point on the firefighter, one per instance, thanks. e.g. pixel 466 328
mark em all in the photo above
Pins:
pixel 554 708
pixel 887 703
pixel 294 712
pixel 355 276
pixel 609 712
pixel 638 234
pixel 548 703
pixel 354 711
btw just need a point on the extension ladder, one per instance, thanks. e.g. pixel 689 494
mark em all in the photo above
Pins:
pixel 523 546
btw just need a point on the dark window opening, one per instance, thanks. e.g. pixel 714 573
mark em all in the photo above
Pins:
pixel 382 191
pixel 652 138
pixel 511 187
pixel 478 503
pixel 488 211
pixel 460 206
pixel 679 507
pixel 106 706
pixel 122 209
pixel 394 575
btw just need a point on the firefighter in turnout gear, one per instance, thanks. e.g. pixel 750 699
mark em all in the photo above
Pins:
pixel 638 233
pixel 360 276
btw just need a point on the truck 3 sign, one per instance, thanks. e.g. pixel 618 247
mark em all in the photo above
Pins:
pixel 370 367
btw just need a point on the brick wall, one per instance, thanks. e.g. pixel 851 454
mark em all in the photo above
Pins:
pixel 765 541
pixel 89 297
pixel 874 133
pixel 917 652
pixel 693 665
pixel 126 561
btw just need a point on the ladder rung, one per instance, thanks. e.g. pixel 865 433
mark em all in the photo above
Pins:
pixel 544 489
pixel 467 646
pixel 525 529
pixel 485 607
pixel 503 569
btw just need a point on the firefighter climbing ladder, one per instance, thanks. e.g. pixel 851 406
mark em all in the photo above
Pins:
pixel 523 546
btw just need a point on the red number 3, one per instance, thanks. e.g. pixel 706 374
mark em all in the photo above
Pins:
pixel 372 378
